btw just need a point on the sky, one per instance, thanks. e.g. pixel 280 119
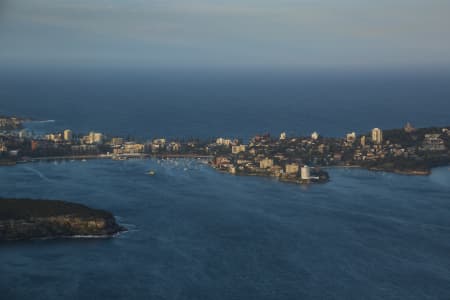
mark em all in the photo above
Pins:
pixel 226 34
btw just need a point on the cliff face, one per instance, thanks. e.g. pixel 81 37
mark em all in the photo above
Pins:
pixel 27 219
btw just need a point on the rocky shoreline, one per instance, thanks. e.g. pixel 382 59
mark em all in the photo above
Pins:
pixel 402 172
pixel 25 219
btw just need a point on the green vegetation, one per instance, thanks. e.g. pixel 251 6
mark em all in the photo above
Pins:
pixel 27 208
pixel 23 219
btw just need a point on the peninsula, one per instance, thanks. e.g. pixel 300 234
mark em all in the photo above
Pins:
pixel 24 219
pixel 299 159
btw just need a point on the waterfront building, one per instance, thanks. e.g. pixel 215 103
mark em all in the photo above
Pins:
pixel 133 148
pixel 174 147
pixel 283 136
pixel 276 170
pixel 116 141
pixel 314 135
pixel 238 149
pixel 161 141
pixel 305 172
pixel 68 135
pixel 23 134
pixel 54 137
pixel 377 136
pixel 292 168
pixel 266 163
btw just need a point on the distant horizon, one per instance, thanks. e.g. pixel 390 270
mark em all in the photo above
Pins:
pixel 234 34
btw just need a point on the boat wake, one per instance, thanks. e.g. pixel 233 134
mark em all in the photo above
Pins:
pixel 38 173
pixel 42 121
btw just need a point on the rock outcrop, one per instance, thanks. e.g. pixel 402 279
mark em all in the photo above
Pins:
pixel 22 219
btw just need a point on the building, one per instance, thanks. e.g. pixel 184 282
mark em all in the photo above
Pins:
pixel 305 172
pixel 377 136
pixel 160 141
pixel 34 145
pixel 174 147
pixel 409 128
pixel 133 148
pixel 351 137
pixel 266 163
pixel 292 168
pixel 117 141
pixel 238 149
pixel 315 135
pixel 68 135
pixel 433 142
pixel 54 137
pixel 283 136
pixel 24 134
pixel 158 144
pixel 223 141
pixel 94 138
pixel 363 140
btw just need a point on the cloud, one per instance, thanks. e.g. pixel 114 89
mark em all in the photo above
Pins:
pixel 346 32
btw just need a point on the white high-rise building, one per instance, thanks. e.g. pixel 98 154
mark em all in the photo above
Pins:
pixel 351 137
pixel 68 135
pixel 377 136
pixel 283 136
pixel 314 135
pixel 363 140
pixel 305 172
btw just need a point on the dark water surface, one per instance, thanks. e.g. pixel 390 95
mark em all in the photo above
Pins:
pixel 183 104
pixel 199 234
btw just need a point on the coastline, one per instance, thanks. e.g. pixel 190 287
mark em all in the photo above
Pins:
pixel 28 219
pixel 195 156
pixel 394 171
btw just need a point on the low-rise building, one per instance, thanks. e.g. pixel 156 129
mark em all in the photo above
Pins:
pixel 238 149
pixel 223 142
pixel 433 142
pixel 291 168
pixel 266 163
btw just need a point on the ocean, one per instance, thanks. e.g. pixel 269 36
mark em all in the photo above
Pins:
pixel 195 233
pixel 200 234
pixel 209 104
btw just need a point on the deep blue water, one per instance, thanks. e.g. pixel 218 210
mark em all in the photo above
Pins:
pixel 200 234
pixel 207 104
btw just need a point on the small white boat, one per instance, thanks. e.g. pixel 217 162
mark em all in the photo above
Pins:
pixel 151 173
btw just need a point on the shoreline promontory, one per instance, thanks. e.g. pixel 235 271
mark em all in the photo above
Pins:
pixel 25 219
